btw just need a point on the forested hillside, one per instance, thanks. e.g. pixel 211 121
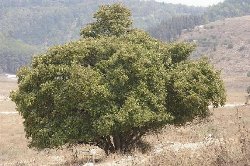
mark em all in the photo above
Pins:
pixel 42 23
pixel 48 22
pixel 171 28
pixel 227 9
pixel 37 24
pixel 14 53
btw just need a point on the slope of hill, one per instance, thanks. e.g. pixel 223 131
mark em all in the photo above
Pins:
pixel 14 53
pixel 227 9
pixel 54 22
pixel 43 23
pixel 227 44
pixel 170 28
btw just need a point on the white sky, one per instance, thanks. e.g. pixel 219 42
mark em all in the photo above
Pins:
pixel 192 2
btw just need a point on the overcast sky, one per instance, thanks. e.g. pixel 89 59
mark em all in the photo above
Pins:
pixel 192 2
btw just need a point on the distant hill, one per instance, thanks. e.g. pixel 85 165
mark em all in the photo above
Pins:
pixel 38 24
pixel 227 9
pixel 42 23
pixel 48 22
pixel 14 53
pixel 171 28
pixel 227 44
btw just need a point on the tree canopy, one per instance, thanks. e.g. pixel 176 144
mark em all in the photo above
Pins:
pixel 112 87
pixel 110 20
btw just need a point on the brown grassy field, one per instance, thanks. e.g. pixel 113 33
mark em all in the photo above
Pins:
pixel 222 139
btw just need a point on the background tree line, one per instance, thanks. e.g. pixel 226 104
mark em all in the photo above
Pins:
pixel 14 53
pixel 170 28
pixel 42 23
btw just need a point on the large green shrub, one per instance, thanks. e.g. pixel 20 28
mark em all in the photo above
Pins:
pixel 112 87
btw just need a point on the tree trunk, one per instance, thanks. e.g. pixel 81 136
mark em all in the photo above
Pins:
pixel 120 142
pixel 107 145
pixel 117 142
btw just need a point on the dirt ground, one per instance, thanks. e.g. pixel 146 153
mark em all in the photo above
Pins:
pixel 221 139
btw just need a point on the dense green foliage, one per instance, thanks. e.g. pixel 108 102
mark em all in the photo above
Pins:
pixel 109 21
pixel 112 88
pixel 191 88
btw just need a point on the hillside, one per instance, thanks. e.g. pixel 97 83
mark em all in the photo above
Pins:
pixel 170 28
pixel 14 53
pixel 43 23
pixel 227 9
pixel 227 44
pixel 54 22
pixel 40 24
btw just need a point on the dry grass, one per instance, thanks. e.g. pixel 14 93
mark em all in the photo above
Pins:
pixel 14 148
pixel 225 129
pixel 223 139
pixel 6 85
pixel 236 88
